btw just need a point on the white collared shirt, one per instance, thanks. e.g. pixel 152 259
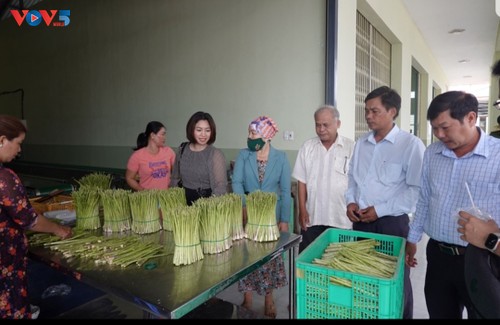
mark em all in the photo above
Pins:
pixel 325 174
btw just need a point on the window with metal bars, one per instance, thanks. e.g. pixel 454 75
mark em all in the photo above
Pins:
pixel 373 67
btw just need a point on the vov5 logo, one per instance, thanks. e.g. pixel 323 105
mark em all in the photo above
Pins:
pixel 35 17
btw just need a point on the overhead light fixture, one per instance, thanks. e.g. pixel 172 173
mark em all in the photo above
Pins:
pixel 464 61
pixel 456 31
pixel 468 76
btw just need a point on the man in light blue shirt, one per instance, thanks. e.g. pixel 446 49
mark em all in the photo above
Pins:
pixel 465 157
pixel 384 175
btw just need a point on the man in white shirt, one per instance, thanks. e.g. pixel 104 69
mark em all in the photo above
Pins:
pixel 321 171
pixel 384 175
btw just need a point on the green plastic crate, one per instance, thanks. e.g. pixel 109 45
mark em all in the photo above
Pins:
pixel 369 297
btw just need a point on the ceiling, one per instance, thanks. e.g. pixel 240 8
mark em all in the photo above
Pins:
pixel 435 18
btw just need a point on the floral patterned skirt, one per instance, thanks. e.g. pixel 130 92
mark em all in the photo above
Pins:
pixel 268 277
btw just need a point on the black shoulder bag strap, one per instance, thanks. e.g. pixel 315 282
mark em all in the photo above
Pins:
pixel 182 147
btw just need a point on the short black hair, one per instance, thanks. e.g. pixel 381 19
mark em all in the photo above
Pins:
pixel 191 124
pixel 496 69
pixel 388 96
pixel 11 127
pixel 459 103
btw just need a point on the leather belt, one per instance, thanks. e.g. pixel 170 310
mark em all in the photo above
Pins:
pixel 451 249
pixel 202 192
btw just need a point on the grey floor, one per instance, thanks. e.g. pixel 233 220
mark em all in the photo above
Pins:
pixel 417 277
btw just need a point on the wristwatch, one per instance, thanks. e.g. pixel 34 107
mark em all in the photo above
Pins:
pixel 492 241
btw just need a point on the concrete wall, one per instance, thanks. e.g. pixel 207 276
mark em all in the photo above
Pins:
pixel 91 87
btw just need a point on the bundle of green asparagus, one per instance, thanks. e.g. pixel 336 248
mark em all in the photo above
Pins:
pixel 215 224
pixel 116 210
pixel 235 210
pixel 358 257
pixel 120 251
pixel 145 212
pixel 186 229
pixel 169 200
pixel 97 179
pixel 86 200
pixel 261 214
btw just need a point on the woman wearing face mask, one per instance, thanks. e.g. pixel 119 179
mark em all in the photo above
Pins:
pixel 262 167
pixel 201 167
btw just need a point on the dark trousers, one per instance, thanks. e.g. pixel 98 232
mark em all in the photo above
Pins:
pixel 309 235
pixel 394 226
pixel 445 289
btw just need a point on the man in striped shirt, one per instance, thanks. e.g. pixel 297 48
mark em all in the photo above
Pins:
pixel 465 157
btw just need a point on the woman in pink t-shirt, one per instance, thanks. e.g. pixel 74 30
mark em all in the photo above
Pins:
pixel 150 166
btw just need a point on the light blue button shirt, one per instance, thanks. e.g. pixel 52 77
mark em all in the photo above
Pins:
pixel 444 191
pixel 386 175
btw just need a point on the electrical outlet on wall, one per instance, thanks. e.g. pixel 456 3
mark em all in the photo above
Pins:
pixel 288 136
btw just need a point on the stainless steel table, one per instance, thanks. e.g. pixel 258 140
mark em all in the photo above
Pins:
pixel 169 291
